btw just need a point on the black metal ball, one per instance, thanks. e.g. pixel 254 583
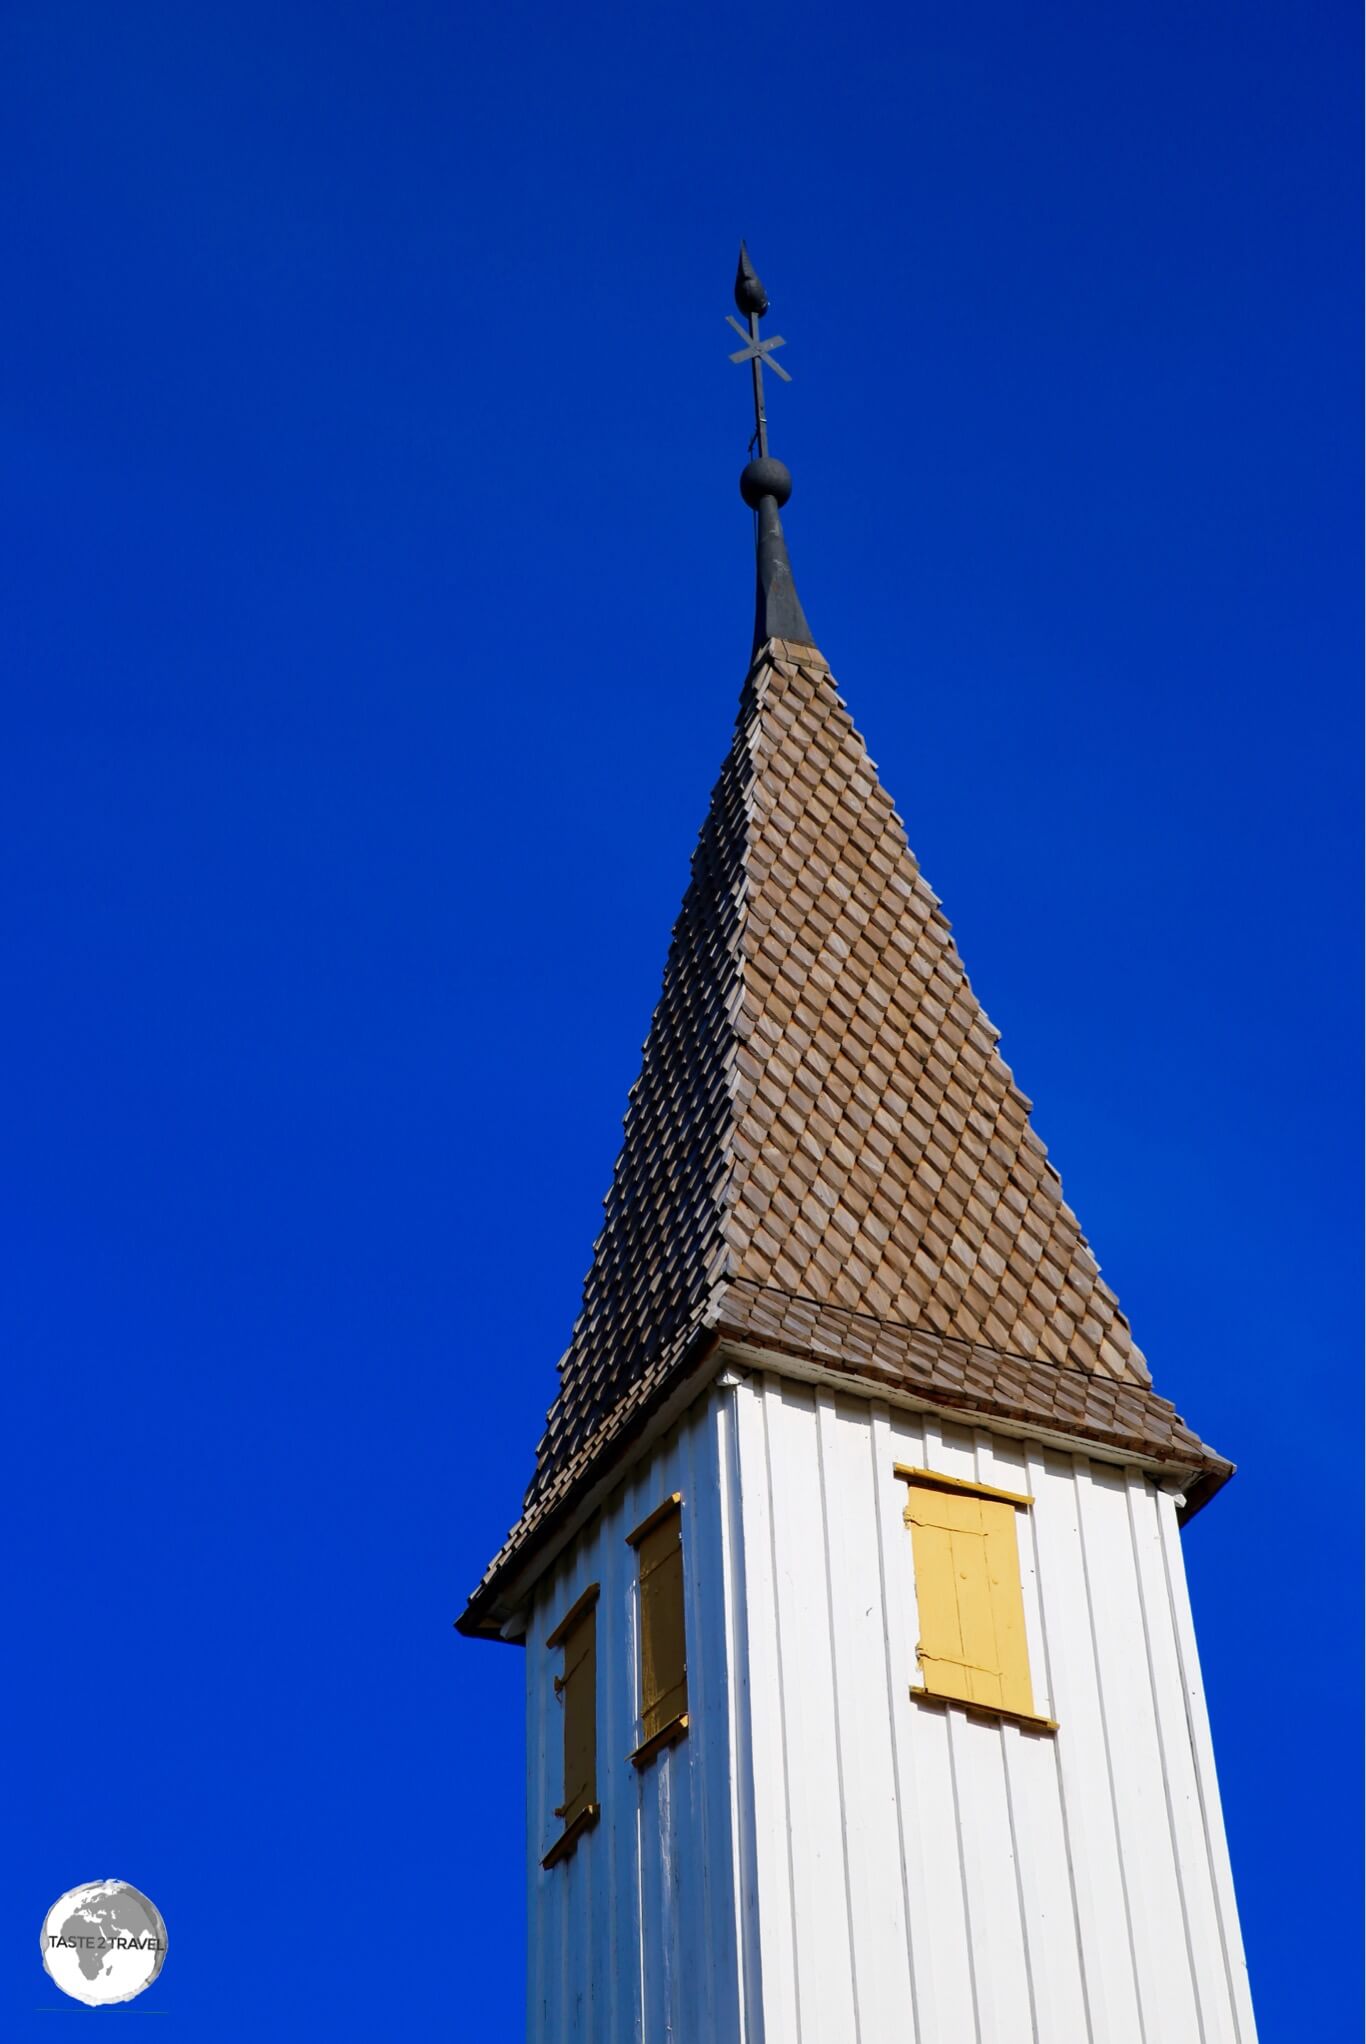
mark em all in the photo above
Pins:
pixel 765 477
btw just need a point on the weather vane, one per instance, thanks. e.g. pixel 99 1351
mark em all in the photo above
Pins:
pixel 752 299
pixel 765 483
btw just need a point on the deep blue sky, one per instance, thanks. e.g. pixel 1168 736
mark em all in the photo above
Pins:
pixel 377 599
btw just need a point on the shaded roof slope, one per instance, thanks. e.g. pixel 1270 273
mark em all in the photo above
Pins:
pixel 824 1153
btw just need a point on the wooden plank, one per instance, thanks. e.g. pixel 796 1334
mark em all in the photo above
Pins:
pixel 570 1902
pixel 996 1935
pixel 833 1505
pixel 544 1950
pixel 575 1876
pixel 680 1982
pixel 773 2010
pixel 665 1839
pixel 1002 1980
pixel 739 1782
pixel 1147 1857
pixel 1002 1552
pixel 680 1947
pixel 932 1479
pixel 1204 1932
pixel 976 1616
pixel 632 1885
pixel 652 1832
pixel 824 1958
pixel 1098 1890
pixel 676 1845
pixel 988 1713
pixel 940 1650
pixel 866 1708
pixel 896 1606
pixel 1043 1869
pixel 1044 1883
pixel 554 1890
pixel 614 1942
pixel 931 1842
pixel 711 1907
pixel 1006 1458
pixel 1215 1973
pixel 1197 1719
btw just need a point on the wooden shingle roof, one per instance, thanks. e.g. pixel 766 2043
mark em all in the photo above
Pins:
pixel 825 1156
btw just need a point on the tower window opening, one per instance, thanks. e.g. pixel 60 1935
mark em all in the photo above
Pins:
pixel 576 1688
pixel 658 1542
pixel 973 1647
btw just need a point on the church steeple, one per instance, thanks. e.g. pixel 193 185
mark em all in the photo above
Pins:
pixel 855 1490
pixel 824 1148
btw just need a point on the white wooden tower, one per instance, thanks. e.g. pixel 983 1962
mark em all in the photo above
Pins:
pixel 863 1704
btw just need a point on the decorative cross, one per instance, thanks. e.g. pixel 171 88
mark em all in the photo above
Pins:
pixel 751 298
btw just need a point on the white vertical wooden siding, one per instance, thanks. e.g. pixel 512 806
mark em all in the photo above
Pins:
pixel 823 1860
pixel 634 1936
pixel 920 1874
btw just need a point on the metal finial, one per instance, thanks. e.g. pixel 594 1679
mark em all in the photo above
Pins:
pixel 750 295
pixel 766 484
pixel 752 299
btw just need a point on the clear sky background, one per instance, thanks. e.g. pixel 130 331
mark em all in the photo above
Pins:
pixel 377 599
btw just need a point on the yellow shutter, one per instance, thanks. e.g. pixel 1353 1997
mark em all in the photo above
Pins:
pixel 663 1648
pixel 578 1694
pixel 577 1635
pixel 967 1586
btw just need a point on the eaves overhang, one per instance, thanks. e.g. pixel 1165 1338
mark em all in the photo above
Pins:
pixel 1192 1482
pixel 1015 1397
pixel 543 1532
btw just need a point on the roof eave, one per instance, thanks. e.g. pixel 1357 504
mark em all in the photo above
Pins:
pixel 512 1577
pixel 1200 1480
pixel 494 1609
pixel 1204 1485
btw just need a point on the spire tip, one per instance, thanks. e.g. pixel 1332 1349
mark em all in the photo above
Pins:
pixel 750 295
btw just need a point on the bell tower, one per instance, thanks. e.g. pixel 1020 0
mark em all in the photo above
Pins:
pixel 863 1700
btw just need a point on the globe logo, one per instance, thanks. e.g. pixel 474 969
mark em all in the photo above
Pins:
pixel 103 1943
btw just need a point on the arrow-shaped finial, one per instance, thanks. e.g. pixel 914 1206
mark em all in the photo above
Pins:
pixel 750 295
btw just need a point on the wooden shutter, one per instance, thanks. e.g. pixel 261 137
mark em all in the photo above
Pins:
pixel 663 1653
pixel 578 1694
pixel 967 1586
pixel 577 1634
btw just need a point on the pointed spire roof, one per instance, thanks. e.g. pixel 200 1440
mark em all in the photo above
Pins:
pixel 825 1156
